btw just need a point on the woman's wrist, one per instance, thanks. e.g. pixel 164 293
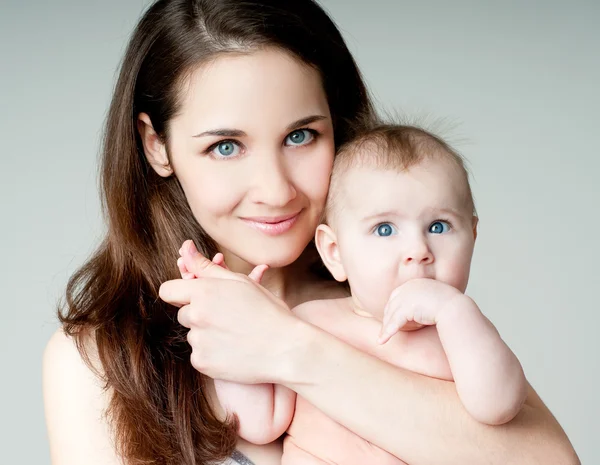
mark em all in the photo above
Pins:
pixel 314 356
pixel 301 342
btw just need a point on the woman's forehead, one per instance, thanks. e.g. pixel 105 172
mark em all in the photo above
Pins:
pixel 241 90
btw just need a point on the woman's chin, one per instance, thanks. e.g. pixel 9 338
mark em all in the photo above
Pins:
pixel 276 260
pixel 275 255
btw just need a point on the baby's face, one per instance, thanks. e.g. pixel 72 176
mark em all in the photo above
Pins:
pixel 395 226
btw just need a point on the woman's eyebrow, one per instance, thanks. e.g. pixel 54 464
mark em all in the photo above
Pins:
pixel 227 132
pixel 223 132
pixel 305 121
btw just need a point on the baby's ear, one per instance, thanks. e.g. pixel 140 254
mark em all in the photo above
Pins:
pixel 475 223
pixel 326 242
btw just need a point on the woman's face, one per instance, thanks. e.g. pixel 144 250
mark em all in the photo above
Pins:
pixel 253 149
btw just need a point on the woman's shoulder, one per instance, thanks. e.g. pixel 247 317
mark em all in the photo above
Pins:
pixel 75 404
pixel 62 356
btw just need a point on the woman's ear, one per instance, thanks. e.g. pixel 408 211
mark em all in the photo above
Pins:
pixel 326 242
pixel 154 148
pixel 475 223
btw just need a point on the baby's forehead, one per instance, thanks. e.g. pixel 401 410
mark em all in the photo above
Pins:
pixel 436 173
pixel 433 183
pixel 401 150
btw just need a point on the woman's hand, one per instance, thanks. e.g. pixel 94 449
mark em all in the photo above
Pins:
pixel 239 331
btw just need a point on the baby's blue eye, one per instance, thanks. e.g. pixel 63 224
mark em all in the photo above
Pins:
pixel 439 227
pixel 384 230
pixel 226 148
pixel 299 137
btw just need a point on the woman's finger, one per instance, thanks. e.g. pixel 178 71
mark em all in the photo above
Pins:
pixel 187 316
pixel 177 292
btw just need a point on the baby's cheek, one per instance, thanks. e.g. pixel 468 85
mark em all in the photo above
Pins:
pixel 371 289
pixel 457 275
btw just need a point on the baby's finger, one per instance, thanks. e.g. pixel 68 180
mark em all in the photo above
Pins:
pixel 219 259
pixel 257 273
pixel 387 312
pixel 201 266
pixel 185 274
pixel 395 322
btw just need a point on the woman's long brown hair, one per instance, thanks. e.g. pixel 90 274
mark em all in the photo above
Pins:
pixel 159 409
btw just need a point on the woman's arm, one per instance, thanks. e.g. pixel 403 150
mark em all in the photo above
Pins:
pixel 419 419
pixel 74 404
pixel 254 338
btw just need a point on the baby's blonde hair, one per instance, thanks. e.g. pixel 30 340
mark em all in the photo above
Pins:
pixel 395 147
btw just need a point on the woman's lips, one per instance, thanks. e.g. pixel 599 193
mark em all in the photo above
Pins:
pixel 272 225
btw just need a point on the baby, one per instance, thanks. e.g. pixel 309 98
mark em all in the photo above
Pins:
pixel 400 227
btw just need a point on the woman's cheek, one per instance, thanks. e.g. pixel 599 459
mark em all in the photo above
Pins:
pixel 209 195
pixel 321 174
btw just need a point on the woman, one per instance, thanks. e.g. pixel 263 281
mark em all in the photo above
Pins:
pixel 222 128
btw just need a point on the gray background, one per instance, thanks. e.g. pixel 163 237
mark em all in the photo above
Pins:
pixel 516 81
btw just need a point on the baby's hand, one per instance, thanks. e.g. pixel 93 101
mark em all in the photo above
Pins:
pixel 415 304
pixel 256 274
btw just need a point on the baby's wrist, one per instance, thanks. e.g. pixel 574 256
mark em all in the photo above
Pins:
pixel 456 309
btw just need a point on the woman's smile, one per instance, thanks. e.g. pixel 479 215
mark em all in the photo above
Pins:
pixel 272 225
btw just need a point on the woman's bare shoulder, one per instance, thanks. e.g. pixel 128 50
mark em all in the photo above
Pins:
pixel 75 404
pixel 64 362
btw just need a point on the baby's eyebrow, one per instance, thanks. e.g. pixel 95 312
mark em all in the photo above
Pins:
pixel 447 211
pixel 379 215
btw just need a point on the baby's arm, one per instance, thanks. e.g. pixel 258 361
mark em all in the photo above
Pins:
pixel 489 378
pixel 264 411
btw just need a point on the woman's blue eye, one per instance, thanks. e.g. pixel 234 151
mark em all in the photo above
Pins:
pixel 439 227
pixel 384 230
pixel 299 137
pixel 226 149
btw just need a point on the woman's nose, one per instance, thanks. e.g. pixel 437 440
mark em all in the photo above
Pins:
pixel 272 184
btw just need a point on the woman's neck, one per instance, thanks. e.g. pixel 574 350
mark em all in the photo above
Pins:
pixel 288 283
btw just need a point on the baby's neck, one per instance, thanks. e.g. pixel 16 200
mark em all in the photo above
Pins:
pixel 357 309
